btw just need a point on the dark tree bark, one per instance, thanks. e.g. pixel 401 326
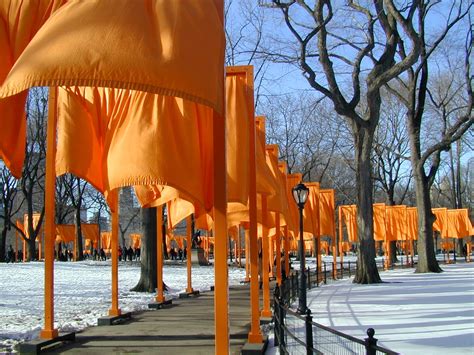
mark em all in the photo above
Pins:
pixel 148 272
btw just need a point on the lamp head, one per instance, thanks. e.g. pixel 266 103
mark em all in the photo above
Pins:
pixel 300 194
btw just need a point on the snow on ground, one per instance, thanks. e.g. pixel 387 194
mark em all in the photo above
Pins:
pixel 411 313
pixel 82 294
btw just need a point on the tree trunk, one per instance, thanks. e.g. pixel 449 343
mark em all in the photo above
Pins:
pixel 31 246
pixel 426 254
pixel 367 272
pixel 79 252
pixel 148 272
pixel 3 243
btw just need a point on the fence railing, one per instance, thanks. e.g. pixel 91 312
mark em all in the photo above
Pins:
pixel 296 333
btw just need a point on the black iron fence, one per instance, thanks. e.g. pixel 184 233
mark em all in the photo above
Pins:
pixel 297 333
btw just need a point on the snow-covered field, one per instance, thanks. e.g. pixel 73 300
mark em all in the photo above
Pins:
pixel 82 294
pixel 411 313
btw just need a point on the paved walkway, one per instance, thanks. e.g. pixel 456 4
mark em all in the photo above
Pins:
pixel 185 328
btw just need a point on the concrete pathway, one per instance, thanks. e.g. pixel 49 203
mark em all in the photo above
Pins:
pixel 185 328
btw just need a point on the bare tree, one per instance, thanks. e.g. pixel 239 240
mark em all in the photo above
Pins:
pixel 8 192
pixel 32 180
pixel 426 159
pixel 343 43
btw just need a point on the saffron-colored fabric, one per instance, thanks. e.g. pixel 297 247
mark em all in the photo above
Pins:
pixel 441 222
pixel 90 231
pixel 20 20
pixel 266 181
pixel 291 181
pixel 379 221
pixel 36 218
pixel 239 114
pixel 326 212
pixel 459 225
pixel 65 233
pixel 105 240
pixel 98 132
pixel 349 216
pixel 135 240
pixel 278 202
pixel 178 210
pixel 166 47
pixel 396 222
pixel 311 211
pixel 412 223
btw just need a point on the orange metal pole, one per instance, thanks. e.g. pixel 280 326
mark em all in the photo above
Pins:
pixel 266 312
pixel 221 287
pixel 160 297
pixel 278 247
pixel 247 256
pixel 341 252
pixel 48 332
pixel 238 249
pixel 114 310
pixel 189 289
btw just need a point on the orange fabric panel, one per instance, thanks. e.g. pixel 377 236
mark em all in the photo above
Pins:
pixel 20 20
pixel 291 181
pixel 349 216
pixel 204 222
pixel 178 210
pixel 267 183
pixel 459 225
pixel 441 222
pixel 278 202
pixel 326 213
pixel 105 240
pixel 36 218
pixel 135 240
pixel 311 210
pixel 90 231
pixel 167 47
pixel 412 223
pixel 239 114
pixel 65 233
pixel 98 135
pixel 396 222
pixel 379 221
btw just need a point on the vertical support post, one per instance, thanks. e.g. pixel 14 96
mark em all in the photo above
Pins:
pixel 221 288
pixel 266 312
pixel 309 332
pixel 247 256
pixel 287 250
pixel 370 342
pixel 24 251
pixel 278 247
pixel 16 244
pixel 302 279
pixel 334 260
pixel 160 297
pixel 115 310
pixel 189 289
pixel 341 251
pixel 48 332
pixel 239 248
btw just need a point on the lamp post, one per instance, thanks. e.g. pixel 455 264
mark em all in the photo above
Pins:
pixel 300 194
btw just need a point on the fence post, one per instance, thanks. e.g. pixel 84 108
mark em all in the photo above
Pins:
pixel 370 342
pixel 276 314
pixel 281 315
pixel 325 277
pixel 317 273
pixel 309 279
pixel 309 332
pixel 342 270
pixel 349 269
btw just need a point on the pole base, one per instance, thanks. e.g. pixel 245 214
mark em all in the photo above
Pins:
pixel 255 338
pixel 114 312
pixel 49 333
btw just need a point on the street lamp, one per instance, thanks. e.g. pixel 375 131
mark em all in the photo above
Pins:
pixel 300 194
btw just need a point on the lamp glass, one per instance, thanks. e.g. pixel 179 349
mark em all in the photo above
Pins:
pixel 300 194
